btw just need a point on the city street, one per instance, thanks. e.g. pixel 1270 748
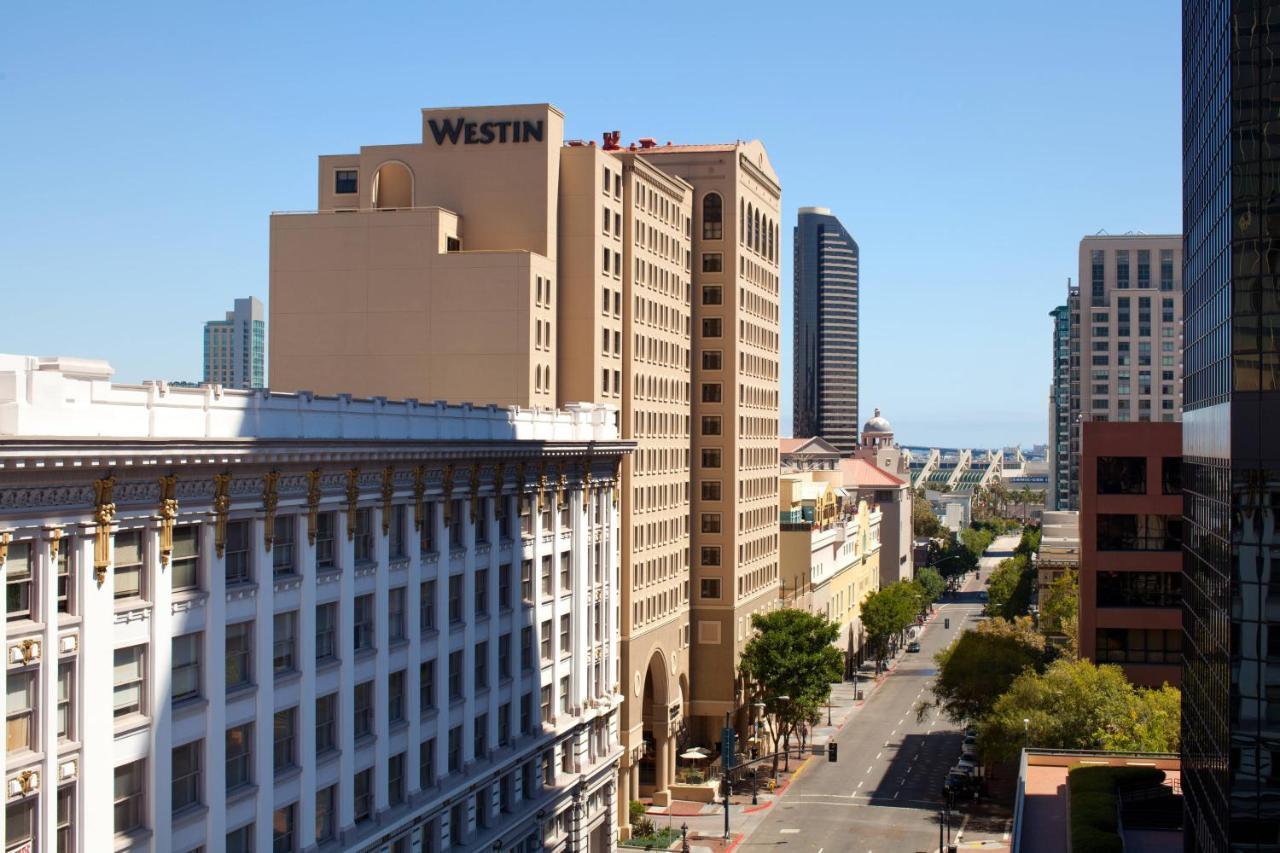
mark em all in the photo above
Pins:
pixel 883 793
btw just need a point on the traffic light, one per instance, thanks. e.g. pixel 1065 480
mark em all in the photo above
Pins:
pixel 831 750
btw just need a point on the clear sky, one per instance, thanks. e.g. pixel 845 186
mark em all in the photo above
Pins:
pixel 966 146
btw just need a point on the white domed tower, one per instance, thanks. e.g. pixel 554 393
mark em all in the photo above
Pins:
pixel 877 432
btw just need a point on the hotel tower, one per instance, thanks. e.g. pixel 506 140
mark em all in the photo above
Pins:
pixel 494 262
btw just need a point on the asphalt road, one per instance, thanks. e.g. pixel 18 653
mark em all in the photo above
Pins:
pixel 883 794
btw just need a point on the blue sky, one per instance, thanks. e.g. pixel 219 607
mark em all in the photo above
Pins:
pixel 967 147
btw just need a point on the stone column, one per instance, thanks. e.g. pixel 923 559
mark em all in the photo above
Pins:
pixel 214 662
pixel 97 665
pixel 661 757
pixel 304 555
pixel 413 667
pixel 382 643
pixel 47 590
pixel 347 675
pixel 159 703
pixel 264 774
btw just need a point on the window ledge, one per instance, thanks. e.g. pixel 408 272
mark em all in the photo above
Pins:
pixel 242 792
pixel 130 605
pixel 241 691
pixel 328 663
pixel 23 626
pixel 189 704
pixel 287 774
pixel 130 723
pixel 286 677
pixel 189 814
pixel 132 840
pixel 365 741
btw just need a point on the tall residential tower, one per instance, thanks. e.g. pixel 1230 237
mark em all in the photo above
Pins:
pixel 1231 428
pixel 1129 330
pixel 825 342
pixel 1059 494
pixel 235 349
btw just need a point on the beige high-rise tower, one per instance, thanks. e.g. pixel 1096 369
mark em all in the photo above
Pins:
pixel 493 263
pixel 734 519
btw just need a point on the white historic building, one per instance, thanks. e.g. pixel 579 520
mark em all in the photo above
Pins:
pixel 320 623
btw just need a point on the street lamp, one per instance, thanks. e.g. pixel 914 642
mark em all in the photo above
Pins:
pixel 1026 732
pixel 684 837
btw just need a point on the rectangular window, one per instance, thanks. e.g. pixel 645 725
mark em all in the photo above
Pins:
pixel 362 710
pixel 711 359
pixel 711 392
pixel 504 586
pixel 711 425
pixel 710 588
pixel 345 181
pixel 130 797
pixel 326 723
pixel 395 535
pixel 20 825
pixel 395 696
pixel 326 632
pixel 20 720
pixel 364 627
pixel 395 779
pixel 455 676
pixel 129 685
pixel 482 665
pixel 526 581
pixel 239 840
pixel 712 327
pixel 326 813
pixel 66 700
pixel 326 552
pixel 565 643
pixel 66 841
pixel 710 490
pixel 127 569
pixel 237 553
pixel 66 578
pixel 544 697
pixel 547 588
pixel 482 592
pixel 1171 476
pixel 184 562
pixel 710 555
pixel 455 749
pixel 283 753
pixel 283 557
pixel 564 694
pixel 364 795
pixel 566 571
pixel 1122 475
pixel 395 615
pixel 427 763
pixel 239 671
pixel 364 536
pixel 712 262
pixel 186 666
pixel 710 522
pixel 427 686
pixel 1130 532
pixel 282 829
pixel 426 533
pixel 427 606
pixel 1166 269
pixel 710 457
pixel 546 648
pixel 284 644
pixel 455 599
pixel 480 737
pixel 526 648
pixel 239 756
pixel 504 656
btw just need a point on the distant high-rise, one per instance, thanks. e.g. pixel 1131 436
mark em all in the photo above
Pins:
pixel 825 365
pixel 1231 427
pixel 1059 493
pixel 1127 334
pixel 235 348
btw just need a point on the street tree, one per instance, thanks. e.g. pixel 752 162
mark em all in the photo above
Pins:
pixel 981 664
pixel 792 655
pixel 931 582
pixel 889 611
pixel 1075 704
pixel 924 523
pixel 1059 609
pixel 1010 586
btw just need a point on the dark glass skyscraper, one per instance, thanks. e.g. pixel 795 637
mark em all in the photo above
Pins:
pixel 825 366
pixel 1231 424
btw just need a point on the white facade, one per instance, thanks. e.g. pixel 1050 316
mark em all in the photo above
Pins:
pixel 321 624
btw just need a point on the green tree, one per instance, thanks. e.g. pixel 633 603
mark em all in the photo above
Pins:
pixel 924 524
pixel 1076 705
pixel 791 655
pixel 931 582
pixel 981 664
pixel 889 611
pixel 976 540
pixel 1009 587
pixel 1059 609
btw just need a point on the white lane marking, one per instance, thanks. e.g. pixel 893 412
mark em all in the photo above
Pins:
pixel 789 831
pixel 859 788
pixel 869 769
pixel 878 754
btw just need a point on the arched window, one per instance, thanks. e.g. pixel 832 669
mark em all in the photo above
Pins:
pixel 770 236
pixel 712 217
pixel 392 186
pixel 751 215
pixel 755 243
pixel 742 222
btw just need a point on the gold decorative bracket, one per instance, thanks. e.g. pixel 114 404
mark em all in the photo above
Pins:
pixel 313 504
pixel 168 515
pixel 562 487
pixel 55 541
pixel 475 493
pixel 542 487
pixel 221 506
pixel 104 513
pixel 270 501
pixel 5 539
pixel 353 498
pixel 388 489
pixel 419 493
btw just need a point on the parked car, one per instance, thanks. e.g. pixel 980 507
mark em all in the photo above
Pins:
pixel 913 646
pixel 969 752
pixel 971 731
pixel 970 739
pixel 967 765
pixel 960 783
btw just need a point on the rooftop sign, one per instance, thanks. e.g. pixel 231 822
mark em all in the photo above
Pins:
pixel 484 132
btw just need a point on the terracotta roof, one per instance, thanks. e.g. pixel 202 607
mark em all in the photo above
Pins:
pixel 860 472
pixel 791 445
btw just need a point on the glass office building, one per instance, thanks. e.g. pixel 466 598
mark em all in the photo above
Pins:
pixel 1231 425
pixel 825 346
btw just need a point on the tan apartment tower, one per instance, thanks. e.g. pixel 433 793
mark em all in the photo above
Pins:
pixel 1129 331
pixel 734 520
pixel 492 263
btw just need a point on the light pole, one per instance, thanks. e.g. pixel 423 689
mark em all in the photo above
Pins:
pixel 786 757
pixel 684 837
pixel 1026 732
